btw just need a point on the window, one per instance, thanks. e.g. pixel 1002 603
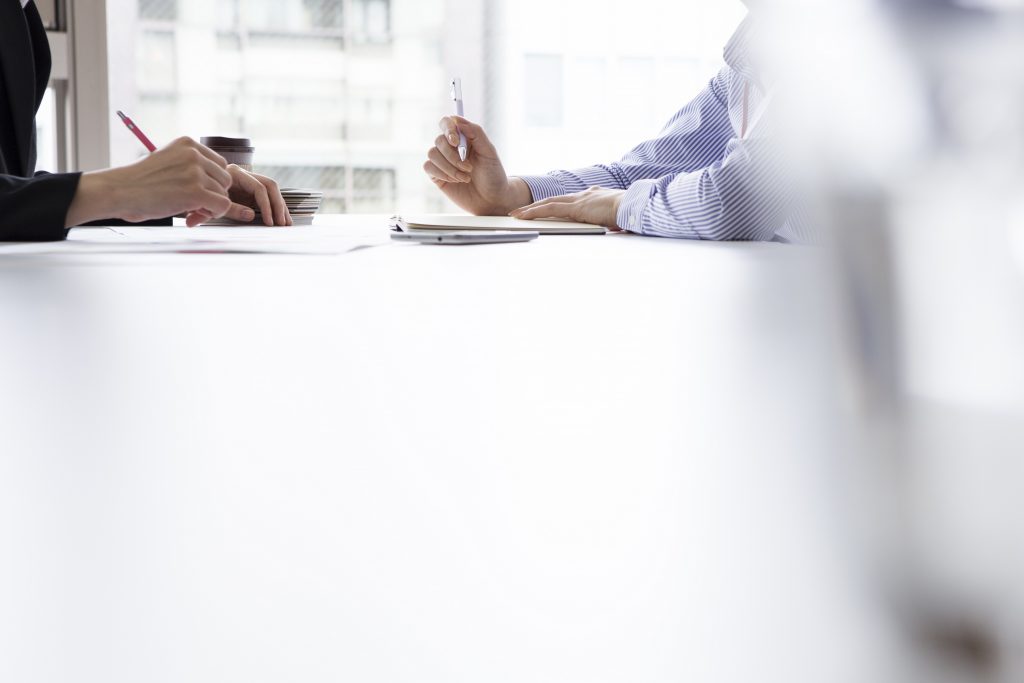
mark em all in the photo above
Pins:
pixel 345 95
pixel 371 21
pixel 545 91
pixel 49 10
pixel 287 74
pixel 325 14
pixel 597 77
pixel 46 133
pixel 158 9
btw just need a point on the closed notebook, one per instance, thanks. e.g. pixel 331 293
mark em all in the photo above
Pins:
pixel 464 222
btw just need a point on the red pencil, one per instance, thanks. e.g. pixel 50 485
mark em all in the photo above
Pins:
pixel 138 133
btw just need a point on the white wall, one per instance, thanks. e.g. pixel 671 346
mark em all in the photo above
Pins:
pixel 625 69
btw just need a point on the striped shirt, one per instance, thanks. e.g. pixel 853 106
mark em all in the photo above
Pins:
pixel 712 174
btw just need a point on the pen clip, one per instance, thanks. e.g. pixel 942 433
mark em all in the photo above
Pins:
pixel 456 89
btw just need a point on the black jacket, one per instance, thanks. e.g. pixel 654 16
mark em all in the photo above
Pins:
pixel 32 207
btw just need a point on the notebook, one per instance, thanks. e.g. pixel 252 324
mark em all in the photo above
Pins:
pixel 448 222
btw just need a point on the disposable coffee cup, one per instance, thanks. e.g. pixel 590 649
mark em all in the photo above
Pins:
pixel 234 150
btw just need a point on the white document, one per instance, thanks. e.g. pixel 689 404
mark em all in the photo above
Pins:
pixel 198 241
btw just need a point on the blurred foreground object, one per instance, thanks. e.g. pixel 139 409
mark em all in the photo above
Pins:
pixel 911 129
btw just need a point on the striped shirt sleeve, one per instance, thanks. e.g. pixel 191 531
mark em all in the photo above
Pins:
pixel 742 197
pixel 697 180
pixel 693 139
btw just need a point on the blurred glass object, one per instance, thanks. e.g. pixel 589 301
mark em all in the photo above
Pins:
pixel 908 117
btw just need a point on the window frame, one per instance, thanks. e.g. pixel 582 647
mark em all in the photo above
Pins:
pixel 79 78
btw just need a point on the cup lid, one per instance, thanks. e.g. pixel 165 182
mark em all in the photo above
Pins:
pixel 218 141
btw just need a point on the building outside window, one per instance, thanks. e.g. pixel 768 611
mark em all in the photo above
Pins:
pixel 345 95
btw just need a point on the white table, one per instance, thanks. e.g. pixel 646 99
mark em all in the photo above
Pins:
pixel 579 459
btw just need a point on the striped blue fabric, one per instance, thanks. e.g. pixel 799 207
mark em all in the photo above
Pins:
pixel 700 178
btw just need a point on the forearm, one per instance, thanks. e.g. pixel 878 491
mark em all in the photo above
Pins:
pixel 693 139
pixel 745 197
pixel 559 183
pixel 96 198
pixel 519 195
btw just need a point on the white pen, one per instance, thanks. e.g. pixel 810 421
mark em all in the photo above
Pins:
pixel 461 111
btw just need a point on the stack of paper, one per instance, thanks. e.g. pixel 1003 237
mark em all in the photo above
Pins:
pixel 302 205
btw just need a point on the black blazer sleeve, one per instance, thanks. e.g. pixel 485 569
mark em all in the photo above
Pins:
pixel 34 209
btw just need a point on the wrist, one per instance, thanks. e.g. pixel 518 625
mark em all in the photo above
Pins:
pixel 97 197
pixel 518 194
pixel 629 215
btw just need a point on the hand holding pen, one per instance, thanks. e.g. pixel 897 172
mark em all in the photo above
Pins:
pixel 465 165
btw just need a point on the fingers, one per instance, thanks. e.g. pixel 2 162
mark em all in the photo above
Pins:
pixel 212 156
pixel 476 136
pixel 189 143
pixel 183 159
pixel 444 169
pixel 203 199
pixel 207 182
pixel 451 154
pixel 546 209
pixel 191 164
pixel 435 173
pixel 202 156
pixel 218 174
pixel 264 193
pixel 559 199
pixel 280 209
pixel 450 131
pixel 183 177
pixel 453 125
pixel 240 213
pixel 251 187
pixel 212 203
pixel 211 163
pixel 196 218
pixel 262 197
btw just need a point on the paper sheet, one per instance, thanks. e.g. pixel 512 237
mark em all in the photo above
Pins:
pixel 198 241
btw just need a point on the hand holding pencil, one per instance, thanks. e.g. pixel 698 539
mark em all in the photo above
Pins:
pixel 184 177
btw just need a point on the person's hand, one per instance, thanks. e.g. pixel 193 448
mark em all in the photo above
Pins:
pixel 479 184
pixel 251 191
pixel 597 206
pixel 182 178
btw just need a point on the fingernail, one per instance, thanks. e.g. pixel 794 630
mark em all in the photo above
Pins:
pixel 248 214
pixel 454 139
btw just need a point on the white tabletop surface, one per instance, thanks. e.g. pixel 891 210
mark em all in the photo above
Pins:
pixel 578 459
